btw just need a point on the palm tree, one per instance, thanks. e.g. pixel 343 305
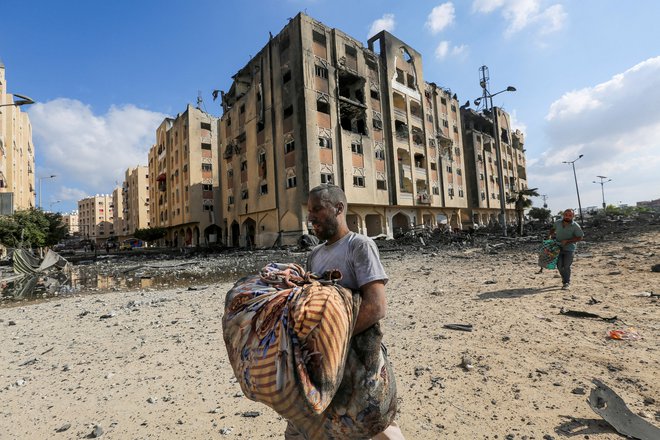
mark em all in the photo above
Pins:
pixel 521 200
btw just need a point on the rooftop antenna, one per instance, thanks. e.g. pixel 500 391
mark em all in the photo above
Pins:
pixel 199 100
pixel 483 82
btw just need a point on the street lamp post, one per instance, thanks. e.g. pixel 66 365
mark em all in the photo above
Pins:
pixel 52 176
pixel 487 98
pixel 602 189
pixel 50 207
pixel 577 190
pixel 22 100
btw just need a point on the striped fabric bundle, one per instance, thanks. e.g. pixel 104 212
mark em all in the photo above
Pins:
pixel 288 336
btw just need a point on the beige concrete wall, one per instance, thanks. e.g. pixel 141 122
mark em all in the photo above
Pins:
pixel 16 151
pixel 118 222
pixel 136 199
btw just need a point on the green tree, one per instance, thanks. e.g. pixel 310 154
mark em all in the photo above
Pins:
pixel 57 229
pixel 10 231
pixel 540 214
pixel 31 228
pixel 35 227
pixel 521 201
pixel 150 234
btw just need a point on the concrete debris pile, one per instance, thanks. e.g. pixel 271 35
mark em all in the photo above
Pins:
pixel 33 276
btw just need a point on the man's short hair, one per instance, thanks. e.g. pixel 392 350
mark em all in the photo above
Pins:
pixel 329 193
pixel 569 210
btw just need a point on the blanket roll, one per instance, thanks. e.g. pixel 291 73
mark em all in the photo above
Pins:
pixel 288 336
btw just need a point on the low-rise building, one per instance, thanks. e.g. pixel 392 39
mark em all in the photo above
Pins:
pixel 70 220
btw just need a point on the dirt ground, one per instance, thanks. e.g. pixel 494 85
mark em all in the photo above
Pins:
pixel 151 363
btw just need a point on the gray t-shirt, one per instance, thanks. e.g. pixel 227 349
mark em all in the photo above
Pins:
pixel 356 257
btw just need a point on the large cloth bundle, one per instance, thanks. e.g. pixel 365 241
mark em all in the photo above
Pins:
pixel 288 336
pixel 548 254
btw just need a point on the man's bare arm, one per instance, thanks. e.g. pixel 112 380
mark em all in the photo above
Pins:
pixel 373 308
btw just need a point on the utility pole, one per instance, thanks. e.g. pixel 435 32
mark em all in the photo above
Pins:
pixel 602 189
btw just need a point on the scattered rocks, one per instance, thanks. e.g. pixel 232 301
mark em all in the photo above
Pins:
pixel 579 391
pixel 109 315
pixel 251 414
pixel 466 363
pixel 63 428
pixel 96 432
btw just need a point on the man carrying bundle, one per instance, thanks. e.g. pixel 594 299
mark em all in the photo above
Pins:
pixel 356 257
pixel 567 232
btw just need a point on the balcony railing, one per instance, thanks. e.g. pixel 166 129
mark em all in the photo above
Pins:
pixel 400 113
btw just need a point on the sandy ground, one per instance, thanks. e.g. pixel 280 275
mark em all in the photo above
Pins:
pixel 152 363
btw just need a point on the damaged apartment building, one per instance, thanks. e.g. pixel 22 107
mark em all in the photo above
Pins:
pixel 483 170
pixel 315 106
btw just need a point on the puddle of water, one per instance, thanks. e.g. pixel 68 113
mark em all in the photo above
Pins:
pixel 126 276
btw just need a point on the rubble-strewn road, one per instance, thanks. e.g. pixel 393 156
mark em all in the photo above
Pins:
pixel 152 363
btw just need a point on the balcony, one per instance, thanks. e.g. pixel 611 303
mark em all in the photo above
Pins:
pixel 423 199
pixel 420 172
pixel 400 113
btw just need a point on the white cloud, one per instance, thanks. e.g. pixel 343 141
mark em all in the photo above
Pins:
pixel 616 126
pixel 523 14
pixel 440 17
pixel 385 23
pixel 444 50
pixel 486 6
pixel 71 194
pixel 552 19
pixel 516 123
pixel 573 103
pixel 88 150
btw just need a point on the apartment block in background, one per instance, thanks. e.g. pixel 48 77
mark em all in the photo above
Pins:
pixel 95 218
pixel 183 182
pixel 17 181
pixel 135 195
pixel 70 220
pixel 118 222
pixel 315 106
pixel 483 170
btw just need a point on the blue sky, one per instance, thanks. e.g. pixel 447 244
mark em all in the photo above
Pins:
pixel 106 73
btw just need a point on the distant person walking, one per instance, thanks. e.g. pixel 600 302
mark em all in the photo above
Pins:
pixel 567 232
